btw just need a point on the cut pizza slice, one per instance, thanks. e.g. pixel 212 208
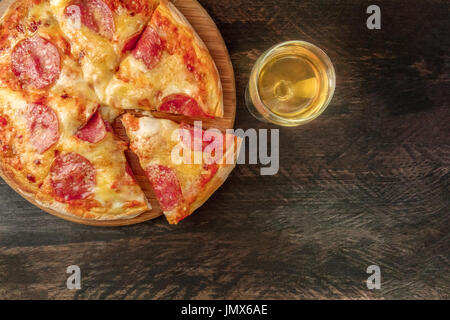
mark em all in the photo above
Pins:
pixel 35 56
pixel 90 177
pixel 170 70
pixel 32 129
pixel 184 165
pixel 101 32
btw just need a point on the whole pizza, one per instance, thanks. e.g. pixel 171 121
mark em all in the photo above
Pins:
pixel 68 69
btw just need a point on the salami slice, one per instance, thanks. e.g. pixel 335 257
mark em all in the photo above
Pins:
pixel 94 130
pixel 149 48
pixel 165 185
pixel 94 14
pixel 72 177
pixel 3 121
pixel 35 62
pixel 43 127
pixel 182 104
pixel 130 44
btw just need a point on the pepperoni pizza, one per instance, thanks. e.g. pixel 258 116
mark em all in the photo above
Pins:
pixel 169 70
pixel 35 55
pixel 181 185
pixel 69 68
pixel 101 32
pixel 90 177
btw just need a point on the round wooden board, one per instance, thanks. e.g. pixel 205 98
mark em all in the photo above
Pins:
pixel 210 34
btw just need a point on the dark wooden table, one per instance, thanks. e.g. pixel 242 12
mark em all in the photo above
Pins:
pixel 366 183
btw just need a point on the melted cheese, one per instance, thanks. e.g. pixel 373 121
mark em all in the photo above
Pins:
pixel 97 55
pixel 113 189
pixel 147 127
pixel 126 26
pixel 135 83
pixel 154 141
pixel 71 82
pixel 100 57
pixel 38 19
pixel 109 161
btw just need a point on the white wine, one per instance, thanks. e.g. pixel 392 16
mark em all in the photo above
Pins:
pixel 288 84
pixel 291 84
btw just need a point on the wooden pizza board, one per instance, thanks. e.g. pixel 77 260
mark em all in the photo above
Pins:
pixel 210 34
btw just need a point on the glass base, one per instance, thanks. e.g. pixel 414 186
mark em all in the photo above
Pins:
pixel 251 108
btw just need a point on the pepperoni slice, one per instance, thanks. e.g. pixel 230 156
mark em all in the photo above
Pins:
pixel 166 186
pixel 130 44
pixel 149 48
pixel 72 177
pixel 3 121
pixel 94 14
pixel 35 62
pixel 94 130
pixel 43 127
pixel 182 104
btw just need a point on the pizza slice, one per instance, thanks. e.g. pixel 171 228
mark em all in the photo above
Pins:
pixel 170 70
pixel 35 56
pixel 101 32
pixel 32 129
pixel 184 165
pixel 90 177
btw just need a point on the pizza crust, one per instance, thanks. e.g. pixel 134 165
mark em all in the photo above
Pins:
pixel 216 90
pixel 57 208
pixel 216 182
pixel 11 177
pixel 99 214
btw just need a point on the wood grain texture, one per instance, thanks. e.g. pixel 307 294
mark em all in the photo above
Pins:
pixel 208 32
pixel 365 183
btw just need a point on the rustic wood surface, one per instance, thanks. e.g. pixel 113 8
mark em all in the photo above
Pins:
pixel 366 183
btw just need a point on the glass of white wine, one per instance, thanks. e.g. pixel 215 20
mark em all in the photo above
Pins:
pixel 291 84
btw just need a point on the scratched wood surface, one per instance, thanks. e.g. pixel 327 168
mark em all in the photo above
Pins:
pixel 366 183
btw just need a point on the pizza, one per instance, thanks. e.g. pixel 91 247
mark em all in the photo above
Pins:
pixel 181 185
pixel 35 55
pixel 90 177
pixel 69 69
pixel 63 154
pixel 170 70
pixel 101 32
pixel 32 128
